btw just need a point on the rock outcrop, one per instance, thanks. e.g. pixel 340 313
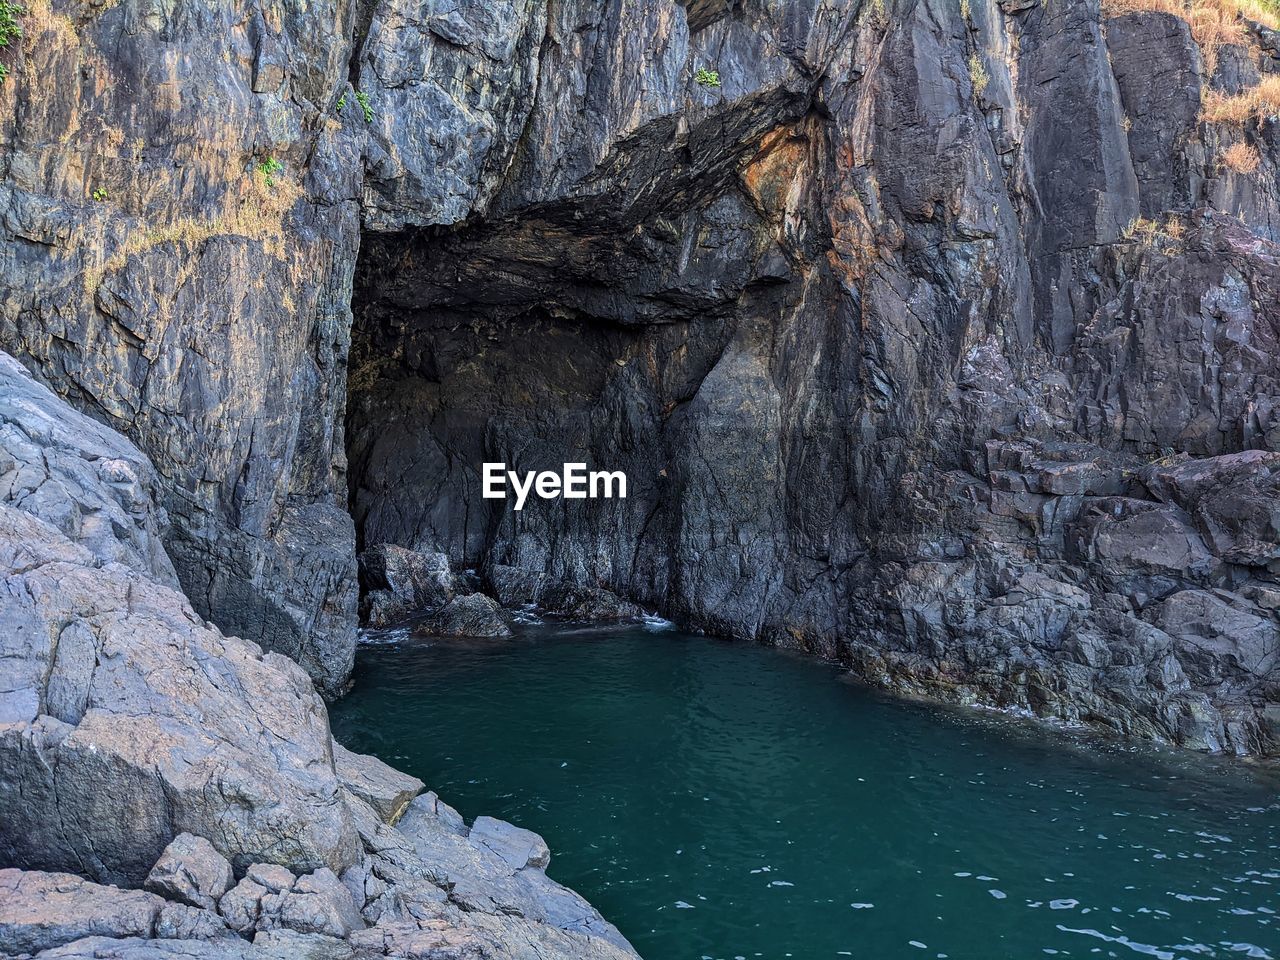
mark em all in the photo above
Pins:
pixel 141 746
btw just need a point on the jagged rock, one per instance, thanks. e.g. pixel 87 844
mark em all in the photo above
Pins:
pixel 474 615
pixel 132 717
pixel 429 805
pixel 192 871
pixel 91 483
pixel 177 921
pixel 385 789
pixel 198 310
pixel 520 848
pixel 399 582
pixel 515 587
pixel 270 897
pixel 241 906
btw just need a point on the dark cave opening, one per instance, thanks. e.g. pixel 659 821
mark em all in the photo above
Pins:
pixel 647 347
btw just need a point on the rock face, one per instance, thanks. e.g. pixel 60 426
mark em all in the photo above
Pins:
pixel 799 308
pixel 93 485
pixel 794 303
pixel 166 277
pixel 128 717
pixel 138 744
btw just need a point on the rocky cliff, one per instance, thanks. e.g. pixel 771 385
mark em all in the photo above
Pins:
pixel 937 336
pixel 909 322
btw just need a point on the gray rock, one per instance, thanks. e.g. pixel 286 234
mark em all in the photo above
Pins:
pixel 135 309
pixel 399 582
pixel 431 807
pixel 91 483
pixel 192 871
pixel 164 724
pixel 385 789
pixel 520 848
pixel 42 910
pixel 241 906
pixel 177 921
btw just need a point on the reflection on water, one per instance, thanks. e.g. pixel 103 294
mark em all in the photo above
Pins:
pixel 724 800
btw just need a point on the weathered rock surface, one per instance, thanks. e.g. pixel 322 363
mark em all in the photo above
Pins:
pixel 160 280
pixel 192 871
pixel 127 717
pixel 385 789
pixel 91 483
pixel 472 615
pixel 397 583
pixel 42 910
pixel 795 308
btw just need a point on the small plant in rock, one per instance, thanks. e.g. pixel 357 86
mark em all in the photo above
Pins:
pixel 10 28
pixel 978 75
pixel 707 78
pixel 365 106
pixel 269 168
pixel 1142 230
pixel 342 103
pixel 1241 158
pixel 99 194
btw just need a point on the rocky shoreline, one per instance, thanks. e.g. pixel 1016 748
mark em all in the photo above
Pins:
pixel 940 339
pixel 168 790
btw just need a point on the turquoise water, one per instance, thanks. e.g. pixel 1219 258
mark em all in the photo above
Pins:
pixel 725 800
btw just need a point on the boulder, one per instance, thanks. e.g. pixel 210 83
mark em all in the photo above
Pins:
pixel 515 586
pixel 242 904
pixel 397 582
pixel 474 615
pixel 519 847
pixel 385 789
pixel 192 871
pixel 271 898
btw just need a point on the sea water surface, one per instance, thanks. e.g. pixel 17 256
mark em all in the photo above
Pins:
pixel 725 800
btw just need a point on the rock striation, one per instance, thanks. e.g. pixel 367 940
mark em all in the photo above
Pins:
pixel 140 746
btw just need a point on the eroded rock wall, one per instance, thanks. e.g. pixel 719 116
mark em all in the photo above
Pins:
pixel 180 225
pixel 799 307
